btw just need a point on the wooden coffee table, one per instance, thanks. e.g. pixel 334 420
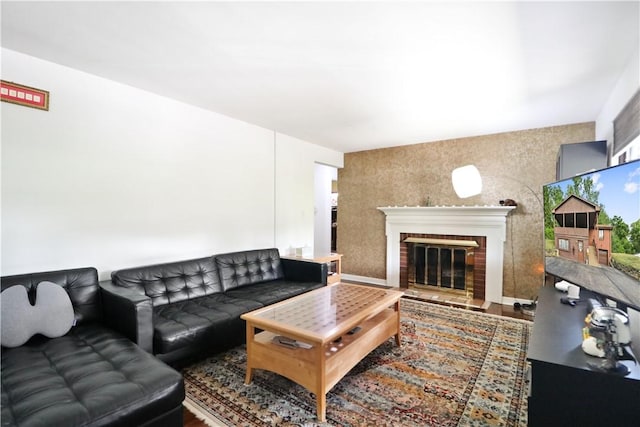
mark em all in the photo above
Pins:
pixel 334 328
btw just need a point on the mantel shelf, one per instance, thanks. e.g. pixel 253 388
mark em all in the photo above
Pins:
pixel 448 210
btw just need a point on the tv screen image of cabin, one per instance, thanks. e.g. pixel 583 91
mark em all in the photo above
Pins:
pixel 594 219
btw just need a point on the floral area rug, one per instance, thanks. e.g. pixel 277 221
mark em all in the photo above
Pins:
pixel 455 368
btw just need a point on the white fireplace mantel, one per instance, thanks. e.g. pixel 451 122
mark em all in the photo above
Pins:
pixel 488 221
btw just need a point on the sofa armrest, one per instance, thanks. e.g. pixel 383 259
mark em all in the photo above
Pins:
pixel 129 313
pixel 304 271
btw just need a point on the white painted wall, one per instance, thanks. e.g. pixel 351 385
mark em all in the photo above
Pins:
pixel 625 88
pixel 295 195
pixel 112 177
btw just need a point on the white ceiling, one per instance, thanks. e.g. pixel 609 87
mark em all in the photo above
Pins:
pixel 349 75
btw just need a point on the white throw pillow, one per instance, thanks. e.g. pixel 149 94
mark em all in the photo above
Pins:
pixel 52 315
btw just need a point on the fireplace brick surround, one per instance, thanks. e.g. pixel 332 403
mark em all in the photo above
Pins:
pixel 450 221
pixel 479 264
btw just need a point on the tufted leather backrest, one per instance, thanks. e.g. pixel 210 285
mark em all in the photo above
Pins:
pixel 171 282
pixel 249 267
pixel 80 283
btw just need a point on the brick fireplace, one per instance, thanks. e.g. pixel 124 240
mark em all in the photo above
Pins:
pixel 466 276
pixel 486 225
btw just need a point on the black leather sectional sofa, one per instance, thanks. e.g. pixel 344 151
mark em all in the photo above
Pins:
pixel 92 375
pixel 96 375
pixel 187 309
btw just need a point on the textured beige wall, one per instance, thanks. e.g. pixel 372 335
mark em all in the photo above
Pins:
pixel 513 165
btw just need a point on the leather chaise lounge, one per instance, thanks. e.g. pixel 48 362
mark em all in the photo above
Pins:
pixel 186 309
pixel 91 375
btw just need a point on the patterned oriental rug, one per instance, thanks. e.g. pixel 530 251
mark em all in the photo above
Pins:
pixel 455 368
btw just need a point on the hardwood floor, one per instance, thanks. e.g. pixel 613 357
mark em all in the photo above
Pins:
pixel 190 420
pixel 469 303
pixel 509 311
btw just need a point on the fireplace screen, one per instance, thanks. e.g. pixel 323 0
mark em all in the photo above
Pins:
pixel 440 266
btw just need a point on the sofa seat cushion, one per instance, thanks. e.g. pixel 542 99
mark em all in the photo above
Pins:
pixel 90 377
pixel 193 321
pixel 271 292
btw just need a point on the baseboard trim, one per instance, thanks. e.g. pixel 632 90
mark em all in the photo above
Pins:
pixel 364 279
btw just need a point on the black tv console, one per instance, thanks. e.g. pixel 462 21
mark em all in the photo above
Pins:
pixel 564 389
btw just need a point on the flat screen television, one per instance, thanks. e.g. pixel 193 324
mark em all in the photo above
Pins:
pixel 592 231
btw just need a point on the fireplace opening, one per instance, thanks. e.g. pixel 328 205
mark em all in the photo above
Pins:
pixel 442 264
pixel 450 264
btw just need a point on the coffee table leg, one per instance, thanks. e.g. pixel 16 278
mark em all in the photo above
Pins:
pixel 321 406
pixel 321 397
pixel 397 309
pixel 250 337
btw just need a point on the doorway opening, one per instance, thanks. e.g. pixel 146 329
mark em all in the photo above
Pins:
pixel 326 210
